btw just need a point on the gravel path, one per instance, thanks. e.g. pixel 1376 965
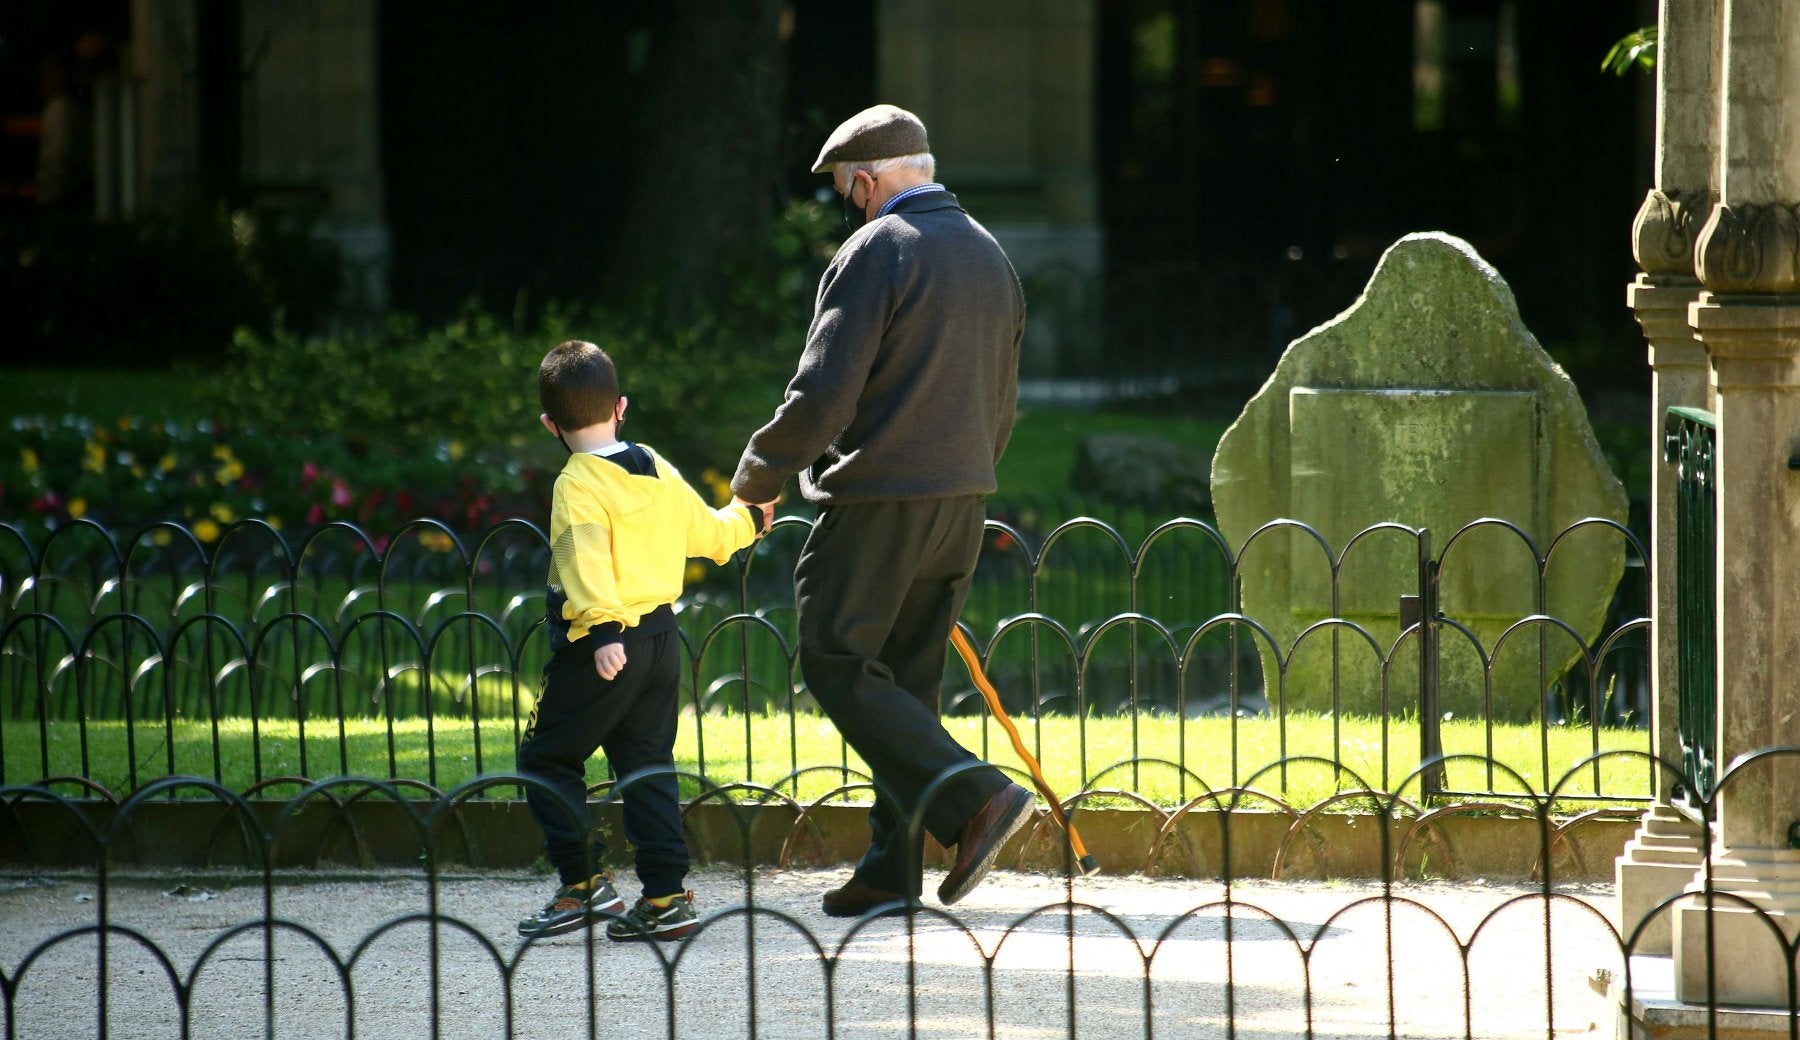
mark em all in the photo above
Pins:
pixel 1150 952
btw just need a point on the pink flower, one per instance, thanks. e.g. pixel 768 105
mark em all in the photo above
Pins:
pixel 315 515
pixel 340 492
pixel 308 473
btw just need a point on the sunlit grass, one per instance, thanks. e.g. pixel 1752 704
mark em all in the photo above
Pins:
pixel 1161 759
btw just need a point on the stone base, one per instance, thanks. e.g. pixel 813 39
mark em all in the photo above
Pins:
pixel 1748 963
pixel 1654 1013
pixel 1660 861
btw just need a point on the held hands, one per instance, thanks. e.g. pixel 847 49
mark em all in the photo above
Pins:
pixel 766 508
pixel 609 660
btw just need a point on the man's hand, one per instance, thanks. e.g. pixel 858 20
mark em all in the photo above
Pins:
pixel 609 660
pixel 766 508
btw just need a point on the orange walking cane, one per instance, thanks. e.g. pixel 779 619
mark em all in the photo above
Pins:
pixel 1089 865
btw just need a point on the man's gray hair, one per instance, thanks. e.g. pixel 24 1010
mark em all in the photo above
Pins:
pixel 918 161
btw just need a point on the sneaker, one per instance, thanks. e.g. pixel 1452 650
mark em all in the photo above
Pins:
pixel 572 907
pixel 649 921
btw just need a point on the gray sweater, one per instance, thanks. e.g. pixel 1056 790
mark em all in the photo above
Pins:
pixel 908 381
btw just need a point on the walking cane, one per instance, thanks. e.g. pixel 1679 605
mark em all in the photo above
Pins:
pixel 1089 865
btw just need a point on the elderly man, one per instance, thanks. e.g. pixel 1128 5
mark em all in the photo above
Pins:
pixel 894 422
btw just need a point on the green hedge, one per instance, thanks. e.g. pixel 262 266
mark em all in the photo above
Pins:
pixel 408 420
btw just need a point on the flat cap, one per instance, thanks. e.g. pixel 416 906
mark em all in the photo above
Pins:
pixel 881 132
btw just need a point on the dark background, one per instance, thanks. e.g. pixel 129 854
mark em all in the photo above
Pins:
pixel 585 151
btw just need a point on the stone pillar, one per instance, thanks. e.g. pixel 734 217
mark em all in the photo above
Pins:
pixel 312 126
pixel 1754 344
pixel 1748 260
pixel 1005 88
pixel 1665 853
pixel 1662 857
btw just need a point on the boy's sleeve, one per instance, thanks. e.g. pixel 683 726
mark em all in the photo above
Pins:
pixel 584 563
pixel 713 533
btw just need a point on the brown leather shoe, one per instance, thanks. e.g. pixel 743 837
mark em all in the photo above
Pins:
pixel 982 837
pixel 853 899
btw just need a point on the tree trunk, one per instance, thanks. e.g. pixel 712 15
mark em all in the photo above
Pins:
pixel 703 193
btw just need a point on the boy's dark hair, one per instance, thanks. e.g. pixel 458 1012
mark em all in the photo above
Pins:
pixel 577 385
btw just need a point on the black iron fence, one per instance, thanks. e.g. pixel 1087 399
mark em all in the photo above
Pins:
pixel 271 657
pixel 1690 436
pixel 238 943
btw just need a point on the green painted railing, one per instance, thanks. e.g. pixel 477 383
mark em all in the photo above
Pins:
pixel 1689 438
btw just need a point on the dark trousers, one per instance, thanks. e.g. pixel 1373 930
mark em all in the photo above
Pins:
pixel 878 586
pixel 632 718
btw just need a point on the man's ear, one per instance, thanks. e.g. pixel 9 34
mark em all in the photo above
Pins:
pixel 548 425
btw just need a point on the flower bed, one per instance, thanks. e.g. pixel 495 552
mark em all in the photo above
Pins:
pixel 127 473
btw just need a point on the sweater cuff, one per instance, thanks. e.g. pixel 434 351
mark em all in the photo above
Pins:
pixel 756 519
pixel 607 632
pixel 750 484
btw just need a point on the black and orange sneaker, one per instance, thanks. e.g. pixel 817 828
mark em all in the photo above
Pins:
pixel 572 907
pixel 646 920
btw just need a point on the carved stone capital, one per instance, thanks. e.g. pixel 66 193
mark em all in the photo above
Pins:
pixel 1750 248
pixel 1662 235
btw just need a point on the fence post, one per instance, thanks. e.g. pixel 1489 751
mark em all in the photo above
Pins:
pixel 1424 612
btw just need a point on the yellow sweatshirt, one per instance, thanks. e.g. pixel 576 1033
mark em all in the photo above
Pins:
pixel 622 528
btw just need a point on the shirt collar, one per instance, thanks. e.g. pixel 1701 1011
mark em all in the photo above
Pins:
pixel 917 189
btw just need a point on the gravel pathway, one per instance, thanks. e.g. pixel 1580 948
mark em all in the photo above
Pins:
pixel 1150 952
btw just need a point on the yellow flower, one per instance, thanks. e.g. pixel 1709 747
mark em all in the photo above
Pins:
pixel 137 472
pixel 274 521
pixel 221 451
pixel 93 458
pixel 694 573
pixel 436 541
pixel 456 450
pixel 161 536
pixel 721 487
pixel 222 513
pixel 77 508
pixel 167 463
pixel 206 530
pixel 28 459
pixel 229 472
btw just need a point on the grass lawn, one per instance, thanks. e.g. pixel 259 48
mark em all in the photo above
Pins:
pixel 1094 754
pixel 1042 449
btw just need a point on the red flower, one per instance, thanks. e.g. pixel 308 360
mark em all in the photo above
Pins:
pixel 308 473
pixel 315 515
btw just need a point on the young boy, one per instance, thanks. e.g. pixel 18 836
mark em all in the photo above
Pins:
pixel 623 524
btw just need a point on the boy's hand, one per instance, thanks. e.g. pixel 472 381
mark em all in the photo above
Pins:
pixel 767 509
pixel 609 660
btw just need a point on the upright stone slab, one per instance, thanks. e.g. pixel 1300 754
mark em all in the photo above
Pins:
pixel 1427 404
